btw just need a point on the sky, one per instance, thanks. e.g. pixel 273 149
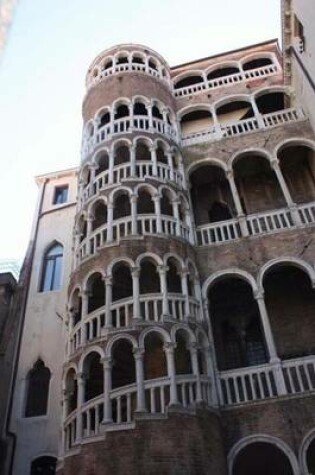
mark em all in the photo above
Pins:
pixel 42 73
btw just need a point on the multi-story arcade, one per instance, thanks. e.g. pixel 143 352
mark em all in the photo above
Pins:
pixel 188 310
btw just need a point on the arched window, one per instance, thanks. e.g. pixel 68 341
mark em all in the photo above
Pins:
pixel 37 390
pixel 44 466
pixel 52 266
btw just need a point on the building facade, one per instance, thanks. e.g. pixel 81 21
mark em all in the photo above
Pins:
pixel 169 323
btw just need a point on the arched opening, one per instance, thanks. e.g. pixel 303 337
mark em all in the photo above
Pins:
pixel 182 353
pixel 145 204
pixel 221 72
pixel 257 184
pixel 211 195
pixel 290 302
pixel 82 228
pixel 297 164
pixel 122 155
pixel 71 391
pixel 188 81
pixel 96 292
pixel 310 457
pixel 196 121
pixel 52 268
pixel 154 357
pixel 149 277
pixel 122 60
pixel 272 102
pixel 143 152
pixel 256 63
pixel 238 337
pixel 161 155
pixel 37 394
pixel 123 369
pixel 139 109
pixel 104 119
pixel 152 64
pixel 156 113
pixel 122 281
pixel 121 111
pixel 44 466
pixel 99 215
pixel 173 276
pixel 191 278
pixel 94 376
pixel 165 203
pixel 234 111
pixel 103 164
pixel 76 307
pixel 201 354
pixel 108 64
pixel 122 206
pixel 260 458
pixel 86 176
pixel 138 60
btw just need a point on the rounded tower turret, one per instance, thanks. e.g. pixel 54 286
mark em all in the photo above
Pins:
pixel 138 384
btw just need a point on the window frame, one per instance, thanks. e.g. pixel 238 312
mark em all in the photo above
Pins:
pixel 48 272
pixel 59 191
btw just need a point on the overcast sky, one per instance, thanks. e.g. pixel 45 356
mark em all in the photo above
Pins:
pixel 42 72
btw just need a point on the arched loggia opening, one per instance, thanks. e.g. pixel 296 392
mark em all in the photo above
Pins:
pixel 82 228
pixel 71 391
pixel 290 301
pixel 123 373
pixel 145 204
pixel 234 111
pixel 99 213
pixel 182 353
pixel 122 205
pixel 149 282
pixel 272 102
pixel 45 465
pixel 310 457
pixel 160 154
pixel 256 63
pixel 156 112
pixel 222 71
pixel 188 81
pixel 121 155
pixel 297 163
pixel 166 203
pixel 173 276
pixel 96 292
pixel 211 195
pixel 121 111
pixel 94 376
pixel 154 357
pixel 103 163
pixel 257 184
pixel 260 458
pixel 122 289
pixel 238 336
pixel 196 121
pixel 104 119
pixel 140 109
pixel 76 307
pixel 143 151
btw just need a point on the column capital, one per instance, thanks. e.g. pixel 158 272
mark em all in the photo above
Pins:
pixel 85 293
pixel 274 162
pixel 259 295
pixel 133 198
pixel 138 353
pixel 169 347
pixel 153 148
pixel 162 269
pixel 135 271
pixel 108 279
pixel 107 362
pixel 229 174
pixel 81 377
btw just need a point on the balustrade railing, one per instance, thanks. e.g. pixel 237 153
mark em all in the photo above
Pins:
pixel 267 222
pixel 127 125
pixel 229 80
pixel 86 421
pixel 260 382
pixel 240 127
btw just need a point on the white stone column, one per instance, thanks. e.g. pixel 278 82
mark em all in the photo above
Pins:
pixel 107 368
pixel 139 360
pixel 133 161
pixel 110 215
pixel 163 285
pixel 169 349
pixel 111 159
pixel 109 296
pixel 257 114
pixel 133 202
pixel 131 125
pixel 286 193
pixel 169 155
pixel 237 203
pixel 175 205
pixel 85 308
pixel 135 273
pixel 195 369
pixel 157 209
pixel 216 123
pixel 150 116
pixel 184 277
pixel 65 405
pixel 81 390
pixel 154 160
pixel 89 222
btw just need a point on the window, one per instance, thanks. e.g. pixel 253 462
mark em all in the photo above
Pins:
pixel 37 390
pixel 51 276
pixel 61 195
pixel 44 466
pixel 299 33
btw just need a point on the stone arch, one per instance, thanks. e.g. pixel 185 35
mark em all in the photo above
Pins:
pixel 86 352
pixel 154 257
pixel 230 272
pixel 95 270
pixel 256 57
pixel 164 334
pixel 124 259
pixel 289 260
pixel 206 161
pixel 268 439
pixel 190 77
pixel 115 338
pixel 181 326
pixel 250 150
pixel 307 441
pixel 222 69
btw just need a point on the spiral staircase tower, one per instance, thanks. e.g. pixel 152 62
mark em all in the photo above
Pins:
pixel 138 392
